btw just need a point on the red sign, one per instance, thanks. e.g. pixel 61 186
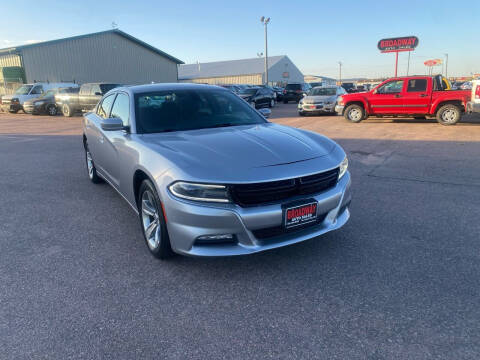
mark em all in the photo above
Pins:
pixel 430 63
pixel 407 43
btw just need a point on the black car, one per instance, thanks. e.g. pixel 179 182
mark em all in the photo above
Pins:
pixel 295 92
pixel 46 104
pixel 349 87
pixel 258 97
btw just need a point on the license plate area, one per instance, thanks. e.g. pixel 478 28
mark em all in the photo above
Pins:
pixel 299 214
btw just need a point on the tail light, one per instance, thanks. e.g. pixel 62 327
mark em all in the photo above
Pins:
pixel 284 91
pixel 477 92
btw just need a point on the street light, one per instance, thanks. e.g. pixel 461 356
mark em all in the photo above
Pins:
pixel 340 73
pixel 446 66
pixel 265 22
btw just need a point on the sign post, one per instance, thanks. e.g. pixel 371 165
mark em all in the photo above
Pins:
pixel 396 45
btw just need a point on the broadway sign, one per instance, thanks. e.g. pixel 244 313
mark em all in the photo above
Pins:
pixel 407 43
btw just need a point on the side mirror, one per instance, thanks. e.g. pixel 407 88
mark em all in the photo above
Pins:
pixel 265 112
pixel 98 93
pixel 112 124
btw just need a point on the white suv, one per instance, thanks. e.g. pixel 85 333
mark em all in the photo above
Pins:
pixel 474 104
pixel 14 102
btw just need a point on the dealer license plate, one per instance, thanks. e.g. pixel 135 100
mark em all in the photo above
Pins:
pixel 300 214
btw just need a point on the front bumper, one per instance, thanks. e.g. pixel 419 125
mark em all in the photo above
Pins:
pixel 339 109
pixel 316 108
pixel 473 107
pixel 186 221
pixel 34 109
pixel 12 107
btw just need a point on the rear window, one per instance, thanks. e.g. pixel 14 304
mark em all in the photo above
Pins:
pixel 415 85
pixel 294 87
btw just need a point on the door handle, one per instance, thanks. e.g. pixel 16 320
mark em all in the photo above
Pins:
pixel 423 95
pixel 397 95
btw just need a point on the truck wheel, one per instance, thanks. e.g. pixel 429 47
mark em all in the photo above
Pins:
pixel 67 110
pixel 354 113
pixel 448 114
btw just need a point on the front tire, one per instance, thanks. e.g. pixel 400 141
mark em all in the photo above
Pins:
pixel 91 169
pixel 67 110
pixel 448 114
pixel 153 223
pixel 354 113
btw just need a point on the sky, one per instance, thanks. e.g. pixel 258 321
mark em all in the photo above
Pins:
pixel 315 34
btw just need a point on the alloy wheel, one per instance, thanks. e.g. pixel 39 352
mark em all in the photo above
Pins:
pixel 90 166
pixel 151 220
pixel 52 110
pixel 449 116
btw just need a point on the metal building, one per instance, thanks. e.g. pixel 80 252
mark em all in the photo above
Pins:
pixel 325 81
pixel 107 56
pixel 281 70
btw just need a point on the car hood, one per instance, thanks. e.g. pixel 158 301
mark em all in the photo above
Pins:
pixel 238 147
pixel 318 98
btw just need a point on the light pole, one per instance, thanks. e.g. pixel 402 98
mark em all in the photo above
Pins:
pixel 340 73
pixel 265 22
pixel 446 66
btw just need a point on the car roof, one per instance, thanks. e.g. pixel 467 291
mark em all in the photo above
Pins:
pixel 135 89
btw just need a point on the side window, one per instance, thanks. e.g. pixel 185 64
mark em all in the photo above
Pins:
pixel 37 90
pixel 392 87
pixel 417 85
pixel 85 89
pixel 103 108
pixel 121 108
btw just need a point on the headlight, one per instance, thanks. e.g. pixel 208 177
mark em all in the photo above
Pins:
pixel 343 168
pixel 340 100
pixel 200 192
pixel 38 103
pixel 15 100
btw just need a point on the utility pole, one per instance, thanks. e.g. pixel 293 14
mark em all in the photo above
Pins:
pixel 340 73
pixel 265 22
pixel 446 66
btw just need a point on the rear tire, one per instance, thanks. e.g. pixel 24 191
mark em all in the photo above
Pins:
pixel 354 113
pixel 448 114
pixel 153 223
pixel 67 110
pixel 91 169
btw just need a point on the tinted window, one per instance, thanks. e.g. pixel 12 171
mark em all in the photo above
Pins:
pixel 293 87
pixel 104 107
pixel 104 88
pixel 392 87
pixel 23 90
pixel 164 111
pixel 417 85
pixel 121 108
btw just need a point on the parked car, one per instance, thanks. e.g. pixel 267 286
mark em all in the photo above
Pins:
pixel 349 87
pixel 467 85
pixel 258 97
pixel 416 96
pixel 320 99
pixel 85 99
pixel 208 175
pixel 14 103
pixel 233 88
pixel 295 92
pixel 279 92
pixel 474 104
pixel 361 88
pixel 45 104
pixel 315 84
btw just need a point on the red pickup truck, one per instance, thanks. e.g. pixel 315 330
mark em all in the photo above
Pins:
pixel 417 96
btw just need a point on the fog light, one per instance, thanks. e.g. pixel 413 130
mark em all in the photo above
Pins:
pixel 216 239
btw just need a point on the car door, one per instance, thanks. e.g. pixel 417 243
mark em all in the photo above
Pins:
pixel 115 141
pixel 388 98
pixel 96 136
pixel 35 92
pixel 262 97
pixel 94 96
pixel 417 95
pixel 83 96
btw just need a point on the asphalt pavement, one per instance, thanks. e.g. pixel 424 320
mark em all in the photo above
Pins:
pixel 399 281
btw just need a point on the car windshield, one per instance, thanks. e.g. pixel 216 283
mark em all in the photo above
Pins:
pixel 322 91
pixel 249 91
pixel 23 90
pixel 181 110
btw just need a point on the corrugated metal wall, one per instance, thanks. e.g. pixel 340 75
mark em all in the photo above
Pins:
pixel 255 79
pixel 284 71
pixel 105 57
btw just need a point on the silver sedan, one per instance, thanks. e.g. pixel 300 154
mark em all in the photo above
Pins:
pixel 208 175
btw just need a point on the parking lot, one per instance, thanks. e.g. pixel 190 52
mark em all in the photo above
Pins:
pixel 399 281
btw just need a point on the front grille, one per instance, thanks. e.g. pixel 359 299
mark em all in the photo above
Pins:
pixel 256 194
pixel 272 232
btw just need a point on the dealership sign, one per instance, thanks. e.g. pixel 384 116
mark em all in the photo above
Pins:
pixel 434 62
pixel 407 43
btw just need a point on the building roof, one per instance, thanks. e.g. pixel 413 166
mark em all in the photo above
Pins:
pixel 313 77
pixel 226 68
pixel 18 49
